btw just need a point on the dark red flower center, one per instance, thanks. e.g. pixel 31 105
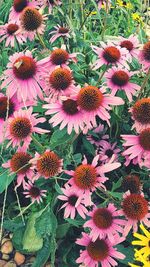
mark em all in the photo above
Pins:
pixel 120 78
pixel 90 98
pixel 72 200
pixel 144 139
pixel 48 164
pixel 24 67
pixel 59 56
pixel 34 192
pixel 109 153
pixel 63 30
pixel 12 28
pixel 135 207
pixel 111 54
pixel 102 218
pixel 98 250
pixel 60 79
pixel 132 183
pixel 20 127
pixel 146 51
pixel 85 176
pixel 31 19
pixel 20 162
pixel 19 5
pixel 4 105
pixel 141 110
pixel 70 107
pixel 127 44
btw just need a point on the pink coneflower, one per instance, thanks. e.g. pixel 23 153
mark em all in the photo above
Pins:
pixel 141 114
pixel 19 6
pixel 7 108
pixel 119 79
pixel 12 33
pixel 144 55
pixel 106 150
pixel 103 3
pixel 95 102
pixel 20 164
pixel 73 203
pixel 58 82
pixel 22 77
pixel 98 134
pixel 110 54
pixel 135 208
pixel 66 113
pixel 21 126
pixel 34 192
pixel 139 146
pixel 58 57
pixel 59 31
pixel 104 223
pixel 32 21
pixel 87 177
pixel 99 252
pixel 47 164
pixel 131 44
pixel 50 3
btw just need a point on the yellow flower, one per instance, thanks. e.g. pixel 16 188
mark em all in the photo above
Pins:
pixel 144 241
pixel 124 4
pixel 137 17
pixel 139 257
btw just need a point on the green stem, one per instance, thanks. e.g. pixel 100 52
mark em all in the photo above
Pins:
pixel 102 74
pixel 37 143
pixel 41 40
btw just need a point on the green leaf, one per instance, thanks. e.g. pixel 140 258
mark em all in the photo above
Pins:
pixel 62 230
pixel 31 241
pixel 128 252
pixel 5 179
pixel 58 189
pixel 116 185
pixel 43 254
pixel 13 225
pixel 88 146
pixel 60 137
pixel 46 223
pixel 75 222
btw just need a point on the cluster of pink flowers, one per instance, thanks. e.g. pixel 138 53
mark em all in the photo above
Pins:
pixel 83 109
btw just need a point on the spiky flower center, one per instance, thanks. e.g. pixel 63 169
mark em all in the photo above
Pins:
pixel 60 79
pixel 59 56
pixel 31 19
pixel 4 105
pixel 131 182
pixel 90 98
pixel 98 250
pixel 120 78
pixel 12 28
pixel 127 44
pixel 20 127
pixel 19 5
pixel 63 30
pixel 85 176
pixel 144 139
pixel 146 51
pixel 102 218
pixel 20 162
pixel 72 200
pixel 111 54
pixel 135 207
pixel 34 192
pixel 48 164
pixel 141 110
pixel 70 107
pixel 24 67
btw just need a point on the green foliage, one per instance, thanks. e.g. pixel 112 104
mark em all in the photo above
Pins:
pixel 5 179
